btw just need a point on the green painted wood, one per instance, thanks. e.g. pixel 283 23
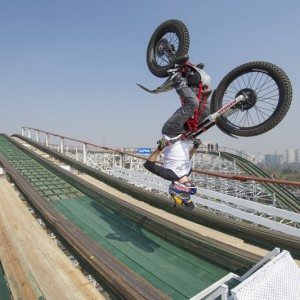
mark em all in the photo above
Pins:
pixel 48 184
pixel 4 291
pixel 173 270
pixel 168 267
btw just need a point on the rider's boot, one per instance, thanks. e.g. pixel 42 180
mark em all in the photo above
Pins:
pixel 178 80
pixel 180 60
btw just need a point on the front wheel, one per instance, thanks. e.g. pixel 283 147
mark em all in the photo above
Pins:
pixel 168 42
pixel 269 93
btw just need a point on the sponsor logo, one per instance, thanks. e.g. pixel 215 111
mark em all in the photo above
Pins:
pixel 228 106
pixel 143 150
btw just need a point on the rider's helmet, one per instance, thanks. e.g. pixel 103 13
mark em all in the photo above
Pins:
pixel 182 190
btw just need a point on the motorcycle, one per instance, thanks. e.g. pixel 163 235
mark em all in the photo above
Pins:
pixel 250 100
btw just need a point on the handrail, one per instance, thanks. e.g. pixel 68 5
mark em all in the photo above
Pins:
pixel 246 178
pixel 87 143
pixel 206 172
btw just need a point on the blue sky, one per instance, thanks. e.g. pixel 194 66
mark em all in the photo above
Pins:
pixel 71 67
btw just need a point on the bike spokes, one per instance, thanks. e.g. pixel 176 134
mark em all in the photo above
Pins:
pixel 262 101
pixel 166 49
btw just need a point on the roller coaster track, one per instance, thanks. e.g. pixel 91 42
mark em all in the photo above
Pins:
pixel 283 195
pixel 130 286
pixel 49 187
pixel 285 199
pixel 248 232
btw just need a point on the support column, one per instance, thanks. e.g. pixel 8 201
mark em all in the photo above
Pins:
pixel 23 131
pixel 76 153
pixel 84 151
pixel 28 133
pixel 47 140
pixel 122 158
pixel 61 145
pixel 37 136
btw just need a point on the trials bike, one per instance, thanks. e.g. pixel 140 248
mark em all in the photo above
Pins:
pixel 250 100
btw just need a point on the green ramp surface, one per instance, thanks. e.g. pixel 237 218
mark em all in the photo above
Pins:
pixel 4 292
pixel 176 272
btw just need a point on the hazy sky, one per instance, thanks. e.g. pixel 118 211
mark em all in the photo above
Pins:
pixel 71 67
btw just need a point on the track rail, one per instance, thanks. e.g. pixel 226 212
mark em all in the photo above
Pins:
pixel 196 243
pixel 248 232
pixel 121 280
pixel 283 195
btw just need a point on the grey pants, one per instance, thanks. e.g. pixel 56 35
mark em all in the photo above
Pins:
pixel 175 124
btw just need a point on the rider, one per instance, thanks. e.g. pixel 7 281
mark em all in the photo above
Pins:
pixel 177 153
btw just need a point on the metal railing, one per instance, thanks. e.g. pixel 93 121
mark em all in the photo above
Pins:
pixel 80 151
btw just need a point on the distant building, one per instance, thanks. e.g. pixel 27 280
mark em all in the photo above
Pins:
pixel 297 155
pixel 290 155
pixel 273 159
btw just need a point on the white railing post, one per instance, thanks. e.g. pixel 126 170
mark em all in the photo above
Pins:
pixel 84 151
pixel 23 131
pixel 47 139
pixel 37 136
pixel 76 153
pixel 28 133
pixel 61 144
pixel 122 160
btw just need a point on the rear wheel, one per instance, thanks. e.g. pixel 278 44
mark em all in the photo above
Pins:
pixel 269 93
pixel 169 41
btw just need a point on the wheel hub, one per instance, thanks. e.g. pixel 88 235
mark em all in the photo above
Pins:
pixel 250 101
pixel 163 47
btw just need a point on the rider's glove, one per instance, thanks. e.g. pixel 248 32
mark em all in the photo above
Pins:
pixel 196 143
pixel 162 143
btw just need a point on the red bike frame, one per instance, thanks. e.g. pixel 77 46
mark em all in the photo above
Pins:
pixel 211 119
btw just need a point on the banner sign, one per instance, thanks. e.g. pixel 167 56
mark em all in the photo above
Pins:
pixel 143 150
